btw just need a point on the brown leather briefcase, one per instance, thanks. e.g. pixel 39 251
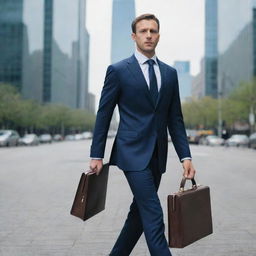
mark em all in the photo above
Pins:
pixel 91 193
pixel 189 215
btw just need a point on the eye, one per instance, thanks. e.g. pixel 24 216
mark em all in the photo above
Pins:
pixel 153 31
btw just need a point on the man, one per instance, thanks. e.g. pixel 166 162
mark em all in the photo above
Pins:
pixel 147 94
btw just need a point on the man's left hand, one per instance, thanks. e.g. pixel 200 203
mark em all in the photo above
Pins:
pixel 189 171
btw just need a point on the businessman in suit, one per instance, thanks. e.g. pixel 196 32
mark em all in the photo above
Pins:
pixel 147 94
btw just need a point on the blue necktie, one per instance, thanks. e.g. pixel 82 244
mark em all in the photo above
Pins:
pixel 152 80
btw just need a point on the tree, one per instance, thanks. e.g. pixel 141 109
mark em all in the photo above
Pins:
pixel 82 120
pixel 244 100
pixel 54 118
pixel 30 116
pixel 200 113
pixel 9 101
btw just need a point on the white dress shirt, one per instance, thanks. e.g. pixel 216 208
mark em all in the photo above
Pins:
pixel 144 67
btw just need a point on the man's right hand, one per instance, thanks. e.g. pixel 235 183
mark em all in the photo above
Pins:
pixel 96 165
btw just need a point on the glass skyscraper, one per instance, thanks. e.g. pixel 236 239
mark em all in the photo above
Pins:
pixel 52 48
pixel 185 79
pixel 230 45
pixel 65 53
pixel 47 52
pixel 33 50
pixel 236 43
pixel 12 33
pixel 211 48
pixel 122 16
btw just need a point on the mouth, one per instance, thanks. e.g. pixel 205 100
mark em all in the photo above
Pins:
pixel 148 43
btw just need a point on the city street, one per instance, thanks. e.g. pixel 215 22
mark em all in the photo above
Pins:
pixel 38 184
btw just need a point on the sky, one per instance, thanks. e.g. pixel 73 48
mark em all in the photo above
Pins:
pixel 181 34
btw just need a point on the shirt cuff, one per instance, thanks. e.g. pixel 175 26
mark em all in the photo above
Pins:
pixel 96 158
pixel 186 158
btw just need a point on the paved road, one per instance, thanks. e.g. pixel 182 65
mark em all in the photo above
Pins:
pixel 37 186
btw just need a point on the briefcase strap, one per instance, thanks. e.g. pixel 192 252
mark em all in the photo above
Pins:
pixel 183 181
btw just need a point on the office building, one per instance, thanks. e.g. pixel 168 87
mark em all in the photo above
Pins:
pixel 185 79
pixel 65 78
pixel 211 48
pixel 236 43
pixel 53 54
pixel 12 33
pixel 230 45
pixel 198 82
pixel 123 13
pixel 122 46
pixel 91 103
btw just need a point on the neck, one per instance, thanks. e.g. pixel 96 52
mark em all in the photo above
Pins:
pixel 147 54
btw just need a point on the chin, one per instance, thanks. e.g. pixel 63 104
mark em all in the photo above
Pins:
pixel 148 49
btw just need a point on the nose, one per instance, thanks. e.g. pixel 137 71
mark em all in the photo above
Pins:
pixel 148 34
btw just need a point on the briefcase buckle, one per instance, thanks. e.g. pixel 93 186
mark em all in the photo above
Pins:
pixel 181 190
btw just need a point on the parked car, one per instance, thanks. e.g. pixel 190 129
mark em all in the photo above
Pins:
pixel 57 137
pixel 87 135
pixel 213 140
pixel 9 138
pixel 45 138
pixel 78 136
pixel 29 139
pixel 238 140
pixel 70 137
pixel 192 136
pixel 252 141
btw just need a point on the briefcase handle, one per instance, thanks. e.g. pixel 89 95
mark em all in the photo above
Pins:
pixel 183 181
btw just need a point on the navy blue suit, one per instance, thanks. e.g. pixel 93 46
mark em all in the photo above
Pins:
pixel 140 146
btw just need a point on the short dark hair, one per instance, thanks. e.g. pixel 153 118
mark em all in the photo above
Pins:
pixel 146 16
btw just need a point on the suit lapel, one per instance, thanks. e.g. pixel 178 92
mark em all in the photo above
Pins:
pixel 163 81
pixel 136 71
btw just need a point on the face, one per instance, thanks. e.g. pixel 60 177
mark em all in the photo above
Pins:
pixel 146 37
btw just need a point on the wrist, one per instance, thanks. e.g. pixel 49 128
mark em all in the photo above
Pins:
pixel 186 158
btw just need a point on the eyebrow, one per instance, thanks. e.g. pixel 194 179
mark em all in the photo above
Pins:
pixel 151 30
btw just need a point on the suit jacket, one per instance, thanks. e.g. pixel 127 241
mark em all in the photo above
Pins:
pixel 142 123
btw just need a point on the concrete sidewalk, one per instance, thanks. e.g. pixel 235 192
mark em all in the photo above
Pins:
pixel 37 187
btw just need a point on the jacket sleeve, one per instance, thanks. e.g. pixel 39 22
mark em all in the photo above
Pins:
pixel 108 100
pixel 176 125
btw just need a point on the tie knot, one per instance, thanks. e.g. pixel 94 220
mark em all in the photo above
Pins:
pixel 150 62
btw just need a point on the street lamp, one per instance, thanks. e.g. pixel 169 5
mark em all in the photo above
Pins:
pixel 221 87
pixel 220 94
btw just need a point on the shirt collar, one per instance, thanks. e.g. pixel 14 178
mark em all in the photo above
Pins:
pixel 142 58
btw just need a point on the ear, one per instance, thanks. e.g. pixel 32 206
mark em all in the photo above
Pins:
pixel 133 36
